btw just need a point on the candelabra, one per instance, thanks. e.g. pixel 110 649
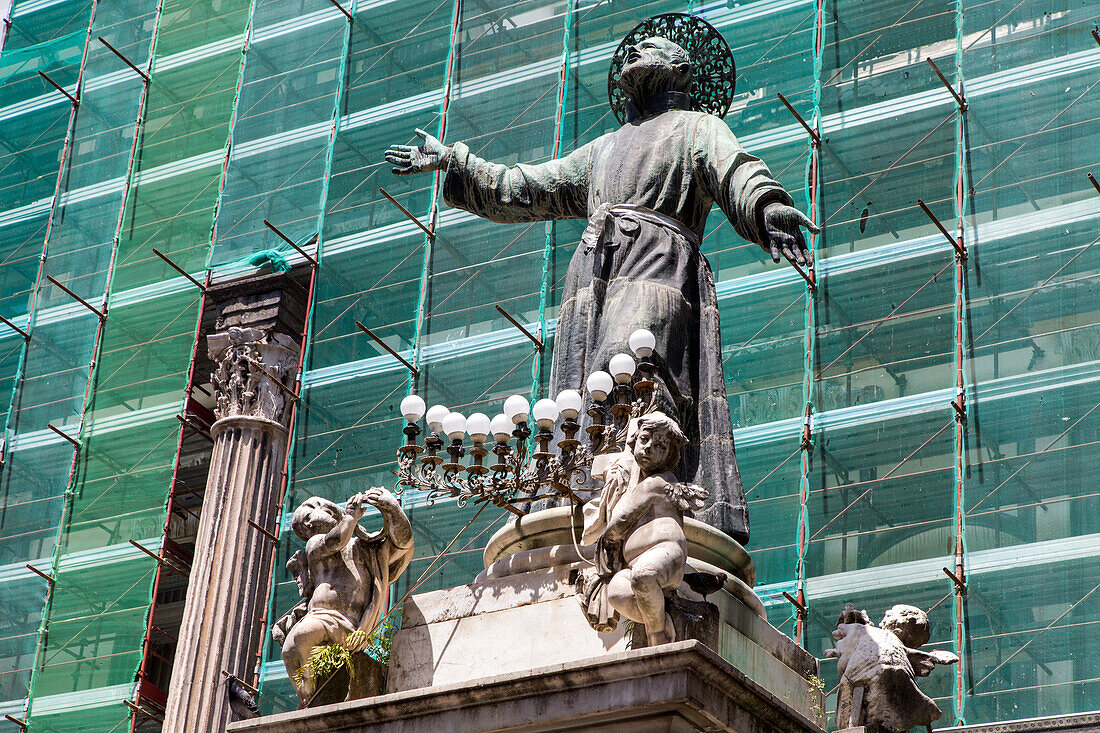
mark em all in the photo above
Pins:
pixel 625 391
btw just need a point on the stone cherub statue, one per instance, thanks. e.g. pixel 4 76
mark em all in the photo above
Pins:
pixel 646 190
pixel 878 667
pixel 343 575
pixel 637 525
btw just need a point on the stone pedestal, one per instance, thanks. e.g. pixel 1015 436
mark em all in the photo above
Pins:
pixel 514 651
pixel 227 590
pixel 674 688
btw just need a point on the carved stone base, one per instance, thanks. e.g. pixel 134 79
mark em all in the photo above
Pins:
pixel 522 622
pixel 673 688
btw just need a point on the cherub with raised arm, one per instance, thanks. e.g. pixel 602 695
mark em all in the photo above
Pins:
pixel 637 524
pixel 343 575
pixel 878 668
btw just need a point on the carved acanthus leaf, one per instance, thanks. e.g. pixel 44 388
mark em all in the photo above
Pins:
pixel 251 365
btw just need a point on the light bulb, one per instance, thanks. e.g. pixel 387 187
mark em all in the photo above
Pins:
pixel 545 413
pixel 599 384
pixel 412 407
pixel 478 425
pixel 501 427
pixel 570 403
pixel 516 408
pixel 454 425
pixel 642 343
pixel 622 366
pixel 436 413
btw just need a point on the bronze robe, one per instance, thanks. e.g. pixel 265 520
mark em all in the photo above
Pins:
pixel 677 163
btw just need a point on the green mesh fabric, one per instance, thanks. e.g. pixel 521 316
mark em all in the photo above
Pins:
pixel 884 483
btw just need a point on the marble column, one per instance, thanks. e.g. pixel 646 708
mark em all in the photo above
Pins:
pixel 223 622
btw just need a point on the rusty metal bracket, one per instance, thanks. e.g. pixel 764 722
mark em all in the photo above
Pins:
pixel 959 100
pixel 290 241
pixel 179 269
pixel 960 250
pixel 384 345
pixel 58 87
pixel 535 340
pixel 814 136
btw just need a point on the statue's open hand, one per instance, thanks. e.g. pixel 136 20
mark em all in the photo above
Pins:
pixel 783 235
pixel 406 159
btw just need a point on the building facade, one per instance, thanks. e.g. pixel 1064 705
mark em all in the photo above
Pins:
pixel 191 125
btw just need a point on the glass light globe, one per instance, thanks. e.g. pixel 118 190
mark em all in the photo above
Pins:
pixel 454 425
pixel 517 408
pixel 599 384
pixel 412 407
pixel 570 403
pixel 502 428
pixel 642 342
pixel 436 413
pixel 622 366
pixel 478 425
pixel 545 413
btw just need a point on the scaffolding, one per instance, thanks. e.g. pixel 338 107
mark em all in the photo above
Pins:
pixel 921 399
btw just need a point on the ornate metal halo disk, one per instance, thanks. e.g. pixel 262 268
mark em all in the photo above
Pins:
pixel 713 75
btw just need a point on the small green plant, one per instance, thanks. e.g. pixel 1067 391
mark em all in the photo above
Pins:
pixel 817 699
pixel 326 660
pixel 382 638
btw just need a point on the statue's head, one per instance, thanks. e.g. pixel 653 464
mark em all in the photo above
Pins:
pixel 654 66
pixel 909 624
pixel 655 442
pixel 315 516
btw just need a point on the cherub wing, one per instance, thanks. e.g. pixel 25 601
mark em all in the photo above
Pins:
pixel 689 497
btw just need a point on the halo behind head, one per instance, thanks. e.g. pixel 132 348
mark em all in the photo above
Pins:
pixel 713 71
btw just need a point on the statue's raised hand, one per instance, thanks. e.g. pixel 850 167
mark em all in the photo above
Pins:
pixel 782 232
pixel 379 497
pixel 406 159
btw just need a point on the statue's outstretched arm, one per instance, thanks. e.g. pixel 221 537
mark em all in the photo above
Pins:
pixel 556 189
pixel 757 206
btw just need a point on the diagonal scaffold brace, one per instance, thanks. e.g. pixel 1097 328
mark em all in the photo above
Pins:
pixel 311 260
pixel 415 372
pixel 534 339
pixel 58 87
pixel 960 250
pixel 102 315
pixel 124 60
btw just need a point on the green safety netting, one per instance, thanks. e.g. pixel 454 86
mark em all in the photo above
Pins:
pixel 869 513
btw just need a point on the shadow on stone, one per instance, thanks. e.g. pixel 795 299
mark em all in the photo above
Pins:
pixel 691 619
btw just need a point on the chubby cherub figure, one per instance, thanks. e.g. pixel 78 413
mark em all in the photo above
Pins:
pixel 637 523
pixel 878 668
pixel 343 575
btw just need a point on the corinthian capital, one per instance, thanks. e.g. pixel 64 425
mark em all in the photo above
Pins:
pixel 251 364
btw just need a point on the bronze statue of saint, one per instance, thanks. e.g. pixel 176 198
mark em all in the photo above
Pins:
pixel 646 190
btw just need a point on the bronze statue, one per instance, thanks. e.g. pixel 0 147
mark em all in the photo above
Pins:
pixel 646 190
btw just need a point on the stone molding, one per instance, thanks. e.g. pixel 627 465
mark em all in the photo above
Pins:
pixel 1076 723
pixel 684 685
